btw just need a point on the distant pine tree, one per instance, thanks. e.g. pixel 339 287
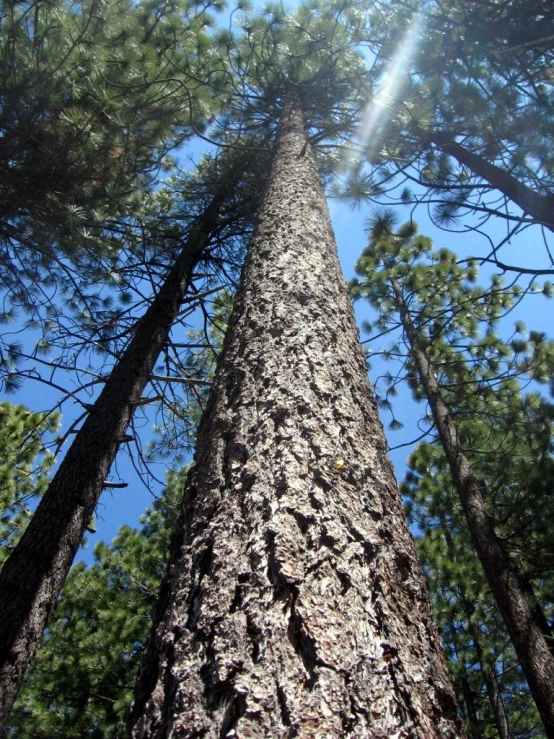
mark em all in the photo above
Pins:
pixel 475 401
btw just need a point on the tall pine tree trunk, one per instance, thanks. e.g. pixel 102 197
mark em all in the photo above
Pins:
pixel 294 603
pixel 526 625
pixel 33 575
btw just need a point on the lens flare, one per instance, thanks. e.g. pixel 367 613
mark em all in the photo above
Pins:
pixel 390 90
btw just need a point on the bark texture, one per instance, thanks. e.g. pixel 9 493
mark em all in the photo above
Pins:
pixel 32 577
pixel 294 604
pixel 526 624
pixel 539 207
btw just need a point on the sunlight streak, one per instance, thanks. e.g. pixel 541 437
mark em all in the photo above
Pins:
pixel 394 81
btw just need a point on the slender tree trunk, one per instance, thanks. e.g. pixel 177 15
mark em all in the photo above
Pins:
pixel 32 577
pixel 491 684
pixel 467 695
pixel 469 702
pixel 526 626
pixel 539 207
pixel 294 604
pixel 493 693
pixel 489 677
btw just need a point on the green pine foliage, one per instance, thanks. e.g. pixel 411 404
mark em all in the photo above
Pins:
pixel 82 681
pixel 506 424
pixel 313 52
pixel 475 73
pixel 473 634
pixel 456 318
pixel 175 435
pixel 25 465
pixel 93 97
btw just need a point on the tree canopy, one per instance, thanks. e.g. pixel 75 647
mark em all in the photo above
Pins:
pixel 434 107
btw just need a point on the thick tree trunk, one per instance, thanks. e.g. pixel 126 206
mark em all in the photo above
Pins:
pixel 32 577
pixel 526 625
pixel 294 604
pixel 539 207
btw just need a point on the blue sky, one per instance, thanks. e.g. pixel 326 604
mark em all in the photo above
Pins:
pixel 125 506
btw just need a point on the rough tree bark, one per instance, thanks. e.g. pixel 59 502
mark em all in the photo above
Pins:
pixel 526 624
pixel 32 577
pixel 294 604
